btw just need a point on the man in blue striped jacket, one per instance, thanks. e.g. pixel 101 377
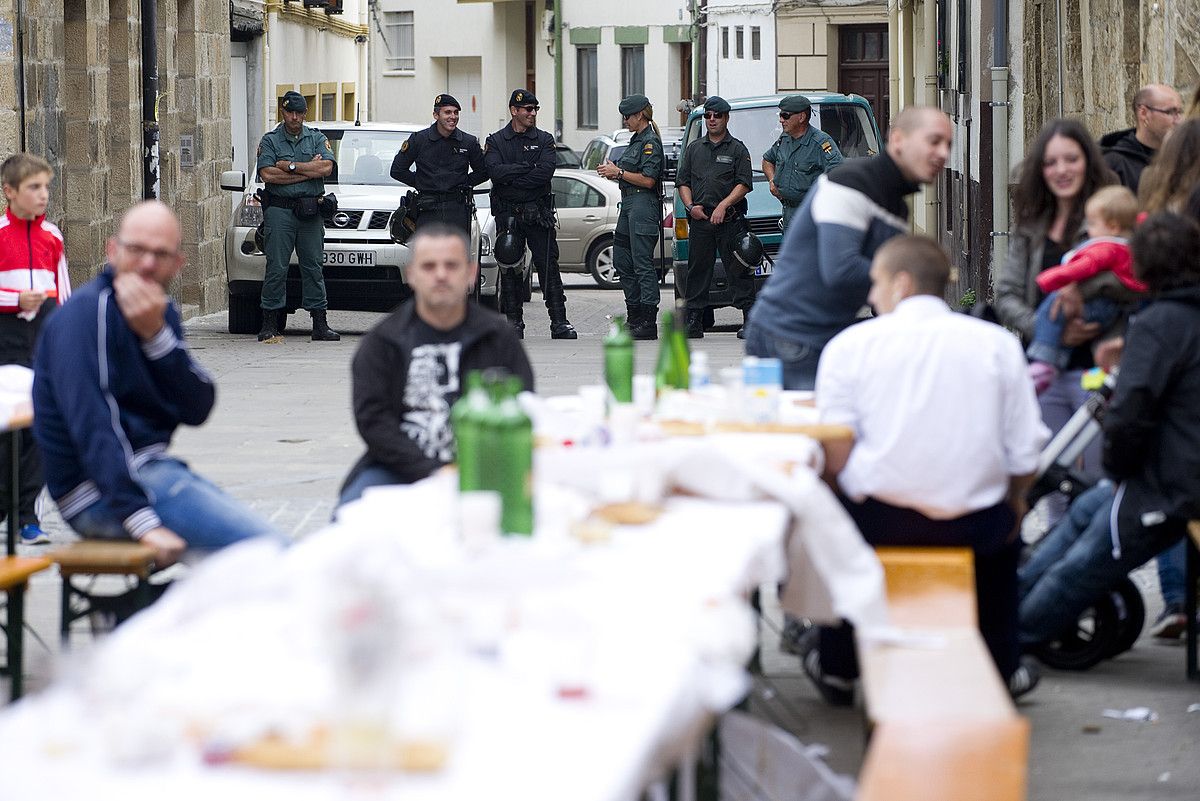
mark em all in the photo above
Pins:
pixel 113 379
pixel 821 276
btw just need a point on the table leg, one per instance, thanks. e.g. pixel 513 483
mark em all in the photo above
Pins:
pixel 15 629
pixel 1189 606
pixel 14 489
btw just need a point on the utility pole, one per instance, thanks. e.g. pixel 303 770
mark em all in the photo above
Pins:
pixel 558 72
pixel 699 50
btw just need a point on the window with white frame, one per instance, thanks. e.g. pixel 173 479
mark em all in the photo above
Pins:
pixel 633 70
pixel 756 44
pixel 740 36
pixel 587 86
pixel 398 42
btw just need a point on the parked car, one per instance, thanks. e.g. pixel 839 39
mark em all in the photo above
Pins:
pixel 565 157
pixel 609 147
pixel 364 269
pixel 755 120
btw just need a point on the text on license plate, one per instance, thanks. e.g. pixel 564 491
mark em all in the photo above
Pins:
pixel 349 258
pixel 763 269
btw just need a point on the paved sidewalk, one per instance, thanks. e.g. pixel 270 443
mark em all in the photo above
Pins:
pixel 282 438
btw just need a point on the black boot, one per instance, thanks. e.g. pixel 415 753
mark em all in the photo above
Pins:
pixel 695 323
pixel 647 324
pixel 560 326
pixel 741 334
pixel 270 326
pixel 321 330
pixel 517 321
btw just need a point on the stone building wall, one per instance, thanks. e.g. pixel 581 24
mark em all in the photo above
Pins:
pixel 84 114
pixel 1110 49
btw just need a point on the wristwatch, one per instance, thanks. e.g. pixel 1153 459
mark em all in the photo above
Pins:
pixel 292 167
pixel 620 174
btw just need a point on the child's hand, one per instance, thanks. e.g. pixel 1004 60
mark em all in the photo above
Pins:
pixel 1108 353
pixel 30 300
pixel 1068 303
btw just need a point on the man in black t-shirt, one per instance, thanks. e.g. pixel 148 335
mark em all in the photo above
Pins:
pixel 409 369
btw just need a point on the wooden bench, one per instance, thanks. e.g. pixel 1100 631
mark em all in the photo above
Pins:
pixel 943 727
pixel 100 558
pixel 1191 576
pixel 14 576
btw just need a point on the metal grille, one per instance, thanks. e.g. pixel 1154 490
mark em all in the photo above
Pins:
pixel 351 224
pixel 765 225
pixel 379 220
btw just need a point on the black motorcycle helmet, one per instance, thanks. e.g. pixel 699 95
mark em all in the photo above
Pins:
pixel 402 225
pixel 749 251
pixel 260 238
pixel 509 249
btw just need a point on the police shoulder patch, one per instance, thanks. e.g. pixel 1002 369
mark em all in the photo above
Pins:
pixel 827 146
pixel 648 149
pixel 404 147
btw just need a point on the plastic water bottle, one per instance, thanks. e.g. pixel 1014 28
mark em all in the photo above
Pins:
pixel 698 375
pixel 762 379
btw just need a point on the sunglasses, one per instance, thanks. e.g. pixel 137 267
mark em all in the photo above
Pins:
pixel 713 115
pixel 787 115
pixel 529 108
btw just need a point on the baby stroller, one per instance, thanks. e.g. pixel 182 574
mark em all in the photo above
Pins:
pixel 1111 625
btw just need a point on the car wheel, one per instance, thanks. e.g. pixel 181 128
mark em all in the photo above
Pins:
pixel 601 265
pixel 245 315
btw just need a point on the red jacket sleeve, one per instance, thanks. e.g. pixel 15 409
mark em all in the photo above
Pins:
pixel 1091 261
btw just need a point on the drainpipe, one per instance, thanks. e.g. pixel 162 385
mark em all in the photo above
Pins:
pixel 21 69
pixel 558 72
pixel 1000 149
pixel 150 185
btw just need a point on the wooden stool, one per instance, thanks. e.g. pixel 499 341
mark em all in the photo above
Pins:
pixel 1191 576
pixel 100 558
pixel 14 575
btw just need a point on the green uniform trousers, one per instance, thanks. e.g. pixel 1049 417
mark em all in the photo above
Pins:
pixel 633 248
pixel 285 232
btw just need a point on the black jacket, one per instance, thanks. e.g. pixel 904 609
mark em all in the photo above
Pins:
pixel 1152 429
pixel 521 165
pixel 380 376
pixel 1126 156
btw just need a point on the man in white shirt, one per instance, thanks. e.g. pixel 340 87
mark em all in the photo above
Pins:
pixel 947 436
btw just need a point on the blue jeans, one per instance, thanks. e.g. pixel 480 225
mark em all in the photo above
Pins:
pixel 1075 564
pixel 1172 567
pixel 188 504
pixel 372 475
pixel 799 360
pixel 1048 331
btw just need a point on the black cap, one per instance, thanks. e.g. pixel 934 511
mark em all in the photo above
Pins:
pixel 632 105
pixel 446 100
pixel 522 97
pixel 718 104
pixel 795 104
pixel 293 101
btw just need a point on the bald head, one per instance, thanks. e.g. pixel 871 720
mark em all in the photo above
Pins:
pixel 919 142
pixel 1158 109
pixel 148 242
pixel 905 266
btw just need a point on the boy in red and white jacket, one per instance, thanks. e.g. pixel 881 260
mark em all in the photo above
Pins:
pixel 33 282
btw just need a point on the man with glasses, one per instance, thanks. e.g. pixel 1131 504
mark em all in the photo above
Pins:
pixel 113 379
pixel 799 156
pixel 713 180
pixel 449 163
pixel 520 161
pixel 1157 110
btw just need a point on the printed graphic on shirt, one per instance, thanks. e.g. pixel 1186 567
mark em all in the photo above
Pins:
pixel 432 380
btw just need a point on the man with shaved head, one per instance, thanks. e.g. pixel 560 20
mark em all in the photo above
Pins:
pixel 1157 110
pixel 113 379
pixel 821 274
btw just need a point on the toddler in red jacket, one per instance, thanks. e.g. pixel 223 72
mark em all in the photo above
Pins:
pixel 1095 282
pixel 33 282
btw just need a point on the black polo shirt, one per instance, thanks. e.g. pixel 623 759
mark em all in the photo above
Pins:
pixel 712 170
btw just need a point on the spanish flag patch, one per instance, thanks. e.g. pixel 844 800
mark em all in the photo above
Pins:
pixel 648 149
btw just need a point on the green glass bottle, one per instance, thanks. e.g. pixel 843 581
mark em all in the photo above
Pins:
pixel 489 430
pixel 618 360
pixel 672 369
pixel 515 461
pixel 466 421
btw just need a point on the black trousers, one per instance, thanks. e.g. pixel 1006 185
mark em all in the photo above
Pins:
pixel 705 241
pixel 30 478
pixel 986 533
pixel 543 246
pixel 450 209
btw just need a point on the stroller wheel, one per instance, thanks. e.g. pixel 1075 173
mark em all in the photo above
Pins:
pixel 1093 639
pixel 1127 599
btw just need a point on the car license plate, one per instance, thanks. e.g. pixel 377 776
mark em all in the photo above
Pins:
pixel 349 258
pixel 764 269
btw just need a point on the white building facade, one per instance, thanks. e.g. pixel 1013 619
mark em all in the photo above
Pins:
pixel 740 38
pixel 315 47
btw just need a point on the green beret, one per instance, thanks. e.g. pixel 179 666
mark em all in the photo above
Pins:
pixel 717 104
pixel 795 104
pixel 293 101
pixel 633 104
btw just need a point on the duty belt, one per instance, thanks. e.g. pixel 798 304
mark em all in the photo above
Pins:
pixel 633 190
pixel 276 202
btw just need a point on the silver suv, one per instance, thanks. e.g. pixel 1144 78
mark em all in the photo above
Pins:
pixel 364 269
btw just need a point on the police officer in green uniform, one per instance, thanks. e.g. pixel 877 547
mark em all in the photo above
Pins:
pixel 293 161
pixel 713 180
pixel 799 156
pixel 638 171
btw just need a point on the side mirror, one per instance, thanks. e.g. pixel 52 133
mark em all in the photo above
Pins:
pixel 233 181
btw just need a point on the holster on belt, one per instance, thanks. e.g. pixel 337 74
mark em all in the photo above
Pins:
pixel 534 213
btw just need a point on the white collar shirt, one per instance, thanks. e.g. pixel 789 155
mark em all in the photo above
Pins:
pixel 942 408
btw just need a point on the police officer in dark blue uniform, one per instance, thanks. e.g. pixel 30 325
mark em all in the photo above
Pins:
pixel 449 163
pixel 520 161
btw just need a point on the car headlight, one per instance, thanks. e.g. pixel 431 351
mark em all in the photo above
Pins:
pixel 485 245
pixel 249 212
